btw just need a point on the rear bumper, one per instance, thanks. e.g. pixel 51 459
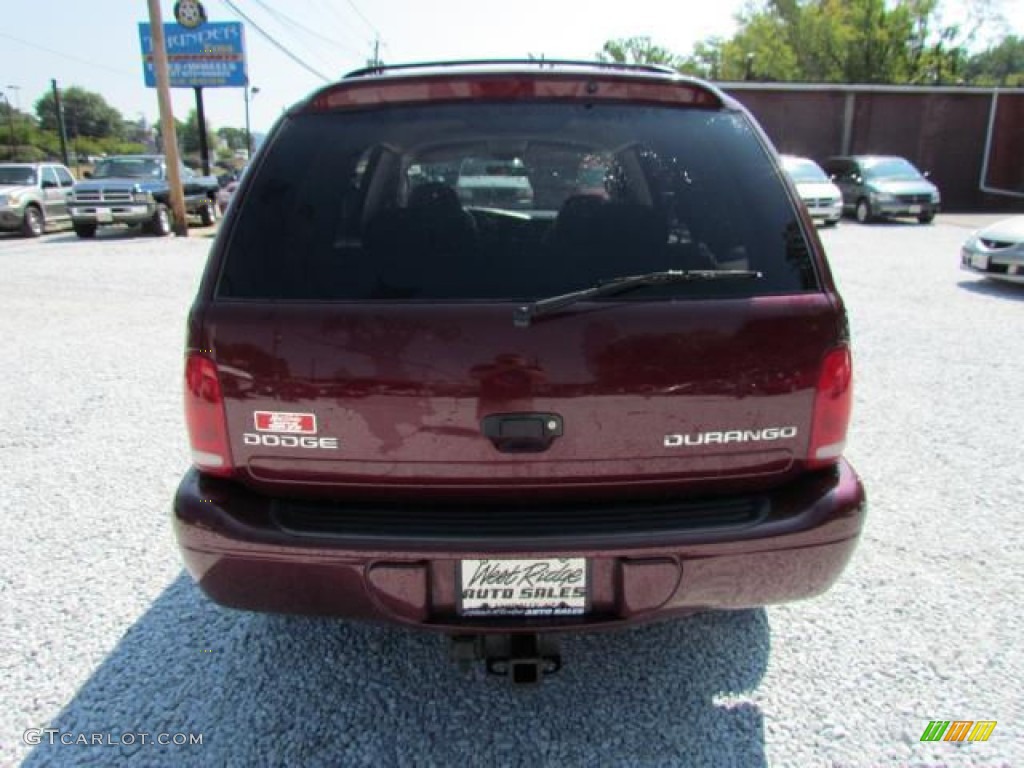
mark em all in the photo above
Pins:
pixel 251 552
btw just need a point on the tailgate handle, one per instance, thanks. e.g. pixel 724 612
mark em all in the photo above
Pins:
pixel 522 432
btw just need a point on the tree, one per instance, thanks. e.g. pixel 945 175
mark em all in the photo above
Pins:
pixel 158 134
pixel 1002 64
pixel 16 122
pixel 86 114
pixel 233 137
pixel 138 131
pixel 760 50
pixel 18 133
pixel 638 50
pixel 188 134
pixel 705 59
pixel 850 41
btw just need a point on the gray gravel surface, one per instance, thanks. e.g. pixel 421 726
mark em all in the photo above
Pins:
pixel 102 632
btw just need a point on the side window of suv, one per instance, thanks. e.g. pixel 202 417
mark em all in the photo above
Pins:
pixel 64 177
pixel 49 180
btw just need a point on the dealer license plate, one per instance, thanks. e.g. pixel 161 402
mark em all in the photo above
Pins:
pixel 104 216
pixel 915 209
pixel 545 587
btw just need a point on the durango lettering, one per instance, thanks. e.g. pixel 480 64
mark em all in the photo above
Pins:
pixel 732 436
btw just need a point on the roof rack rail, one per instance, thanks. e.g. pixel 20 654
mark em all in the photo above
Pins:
pixel 541 63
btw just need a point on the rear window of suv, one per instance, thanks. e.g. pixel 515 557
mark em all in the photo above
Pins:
pixel 365 205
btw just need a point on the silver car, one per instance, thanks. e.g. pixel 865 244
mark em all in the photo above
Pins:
pixel 883 186
pixel 823 199
pixel 997 251
pixel 32 196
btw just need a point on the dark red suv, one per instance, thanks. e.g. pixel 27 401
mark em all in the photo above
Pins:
pixel 620 397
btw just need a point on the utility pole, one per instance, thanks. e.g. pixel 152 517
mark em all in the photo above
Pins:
pixel 249 92
pixel 10 114
pixel 61 129
pixel 248 130
pixel 10 119
pixel 167 130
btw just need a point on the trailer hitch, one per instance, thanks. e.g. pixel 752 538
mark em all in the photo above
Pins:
pixel 525 659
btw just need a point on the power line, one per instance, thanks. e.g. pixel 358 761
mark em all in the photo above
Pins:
pixel 296 41
pixel 331 10
pixel 302 27
pixel 366 21
pixel 68 56
pixel 270 39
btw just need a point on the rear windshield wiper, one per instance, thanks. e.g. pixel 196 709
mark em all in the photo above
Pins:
pixel 525 314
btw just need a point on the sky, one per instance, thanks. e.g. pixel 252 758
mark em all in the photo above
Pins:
pixel 95 43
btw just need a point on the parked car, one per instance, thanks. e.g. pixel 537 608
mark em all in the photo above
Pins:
pixel 882 186
pixel 228 186
pixel 493 182
pixel 997 251
pixel 224 195
pixel 502 422
pixel 823 199
pixel 134 190
pixel 33 196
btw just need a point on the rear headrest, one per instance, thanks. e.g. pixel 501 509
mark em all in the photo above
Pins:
pixel 434 195
pixel 578 218
pixel 610 223
pixel 592 234
pixel 581 207
pixel 636 225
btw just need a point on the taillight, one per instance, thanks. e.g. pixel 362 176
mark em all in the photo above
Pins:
pixel 832 403
pixel 204 416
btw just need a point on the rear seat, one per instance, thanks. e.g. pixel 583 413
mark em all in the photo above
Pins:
pixel 436 228
pixel 589 230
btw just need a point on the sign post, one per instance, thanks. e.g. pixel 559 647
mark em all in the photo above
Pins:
pixel 204 150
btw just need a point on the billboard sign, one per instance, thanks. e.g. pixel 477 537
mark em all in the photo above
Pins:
pixel 210 56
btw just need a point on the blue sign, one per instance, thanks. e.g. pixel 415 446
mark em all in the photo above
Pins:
pixel 210 56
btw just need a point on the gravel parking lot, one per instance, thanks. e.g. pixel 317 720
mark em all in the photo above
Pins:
pixel 102 632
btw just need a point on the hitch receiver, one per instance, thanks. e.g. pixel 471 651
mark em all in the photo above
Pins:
pixel 525 659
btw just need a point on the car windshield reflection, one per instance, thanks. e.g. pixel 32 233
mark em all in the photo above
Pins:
pixel 127 169
pixel 892 170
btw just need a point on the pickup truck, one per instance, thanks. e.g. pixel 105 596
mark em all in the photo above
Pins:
pixel 133 189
